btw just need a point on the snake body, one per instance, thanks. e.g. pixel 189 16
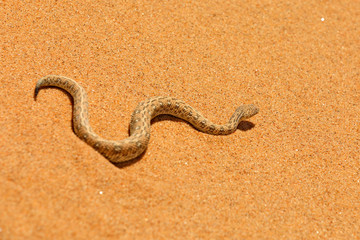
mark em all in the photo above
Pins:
pixel 137 142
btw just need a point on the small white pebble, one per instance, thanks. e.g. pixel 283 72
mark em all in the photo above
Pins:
pixel 101 192
pixel 322 19
pixel 186 163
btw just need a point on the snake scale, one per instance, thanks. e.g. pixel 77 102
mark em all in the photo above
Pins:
pixel 137 142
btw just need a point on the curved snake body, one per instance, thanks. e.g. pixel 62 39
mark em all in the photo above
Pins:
pixel 136 143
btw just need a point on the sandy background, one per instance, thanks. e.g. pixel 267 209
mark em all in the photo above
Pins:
pixel 291 172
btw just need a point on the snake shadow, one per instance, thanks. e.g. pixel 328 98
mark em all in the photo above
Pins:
pixel 243 126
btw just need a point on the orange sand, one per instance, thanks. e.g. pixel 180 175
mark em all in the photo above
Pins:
pixel 293 174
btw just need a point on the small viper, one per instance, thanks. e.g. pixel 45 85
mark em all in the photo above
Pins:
pixel 136 143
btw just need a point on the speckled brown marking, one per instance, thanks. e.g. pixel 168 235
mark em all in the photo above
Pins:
pixel 133 146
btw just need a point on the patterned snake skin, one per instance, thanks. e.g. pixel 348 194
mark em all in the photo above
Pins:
pixel 133 146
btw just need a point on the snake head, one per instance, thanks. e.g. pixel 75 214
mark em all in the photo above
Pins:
pixel 248 110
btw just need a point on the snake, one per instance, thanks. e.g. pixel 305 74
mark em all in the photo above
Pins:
pixel 138 140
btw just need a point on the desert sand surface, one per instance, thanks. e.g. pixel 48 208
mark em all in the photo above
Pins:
pixel 290 172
